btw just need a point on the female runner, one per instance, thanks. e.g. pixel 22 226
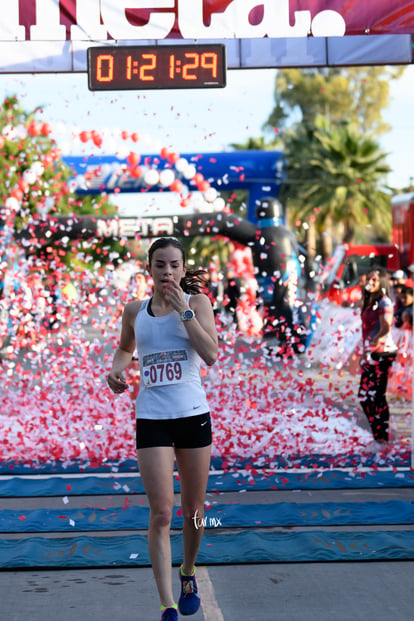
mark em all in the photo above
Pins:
pixel 174 330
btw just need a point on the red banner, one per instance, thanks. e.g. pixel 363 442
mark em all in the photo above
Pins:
pixel 48 20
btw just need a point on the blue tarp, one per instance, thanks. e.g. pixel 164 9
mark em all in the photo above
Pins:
pixel 230 481
pixel 242 547
pixel 218 516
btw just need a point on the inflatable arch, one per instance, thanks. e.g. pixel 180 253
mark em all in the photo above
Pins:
pixel 274 247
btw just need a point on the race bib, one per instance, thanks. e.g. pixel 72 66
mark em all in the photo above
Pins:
pixel 166 367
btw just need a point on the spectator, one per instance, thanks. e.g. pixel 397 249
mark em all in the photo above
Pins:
pixel 397 283
pixel 214 289
pixel 232 294
pixel 379 353
pixel 404 314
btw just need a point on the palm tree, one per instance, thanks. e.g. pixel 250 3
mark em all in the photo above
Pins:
pixel 336 179
pixel 207 251
pixel 255 144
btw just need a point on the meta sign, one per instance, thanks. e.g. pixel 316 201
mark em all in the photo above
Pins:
pixel 98 20
pixel 47 36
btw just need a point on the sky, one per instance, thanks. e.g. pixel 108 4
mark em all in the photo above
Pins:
pixel 188 120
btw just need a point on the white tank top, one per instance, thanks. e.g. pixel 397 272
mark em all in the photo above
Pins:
pixel 170 382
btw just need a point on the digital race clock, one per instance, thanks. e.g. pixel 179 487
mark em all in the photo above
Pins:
pixel 156 67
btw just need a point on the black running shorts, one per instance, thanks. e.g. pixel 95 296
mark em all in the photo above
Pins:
pixel 188 432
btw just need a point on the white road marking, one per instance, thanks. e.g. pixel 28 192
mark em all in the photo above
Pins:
pixel 209 605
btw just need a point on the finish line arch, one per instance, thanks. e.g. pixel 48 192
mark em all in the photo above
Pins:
pixel 274 247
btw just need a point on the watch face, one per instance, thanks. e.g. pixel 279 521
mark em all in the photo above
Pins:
pixel 187 315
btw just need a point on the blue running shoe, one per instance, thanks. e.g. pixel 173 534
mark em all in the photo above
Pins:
pixel 169 614
pixel 189 601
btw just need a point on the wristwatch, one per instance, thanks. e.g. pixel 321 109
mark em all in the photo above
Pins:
pixel 187 315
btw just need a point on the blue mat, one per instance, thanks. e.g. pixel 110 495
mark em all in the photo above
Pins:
pixel 227 482
pixel 290 462
pixel 220 515
pixel 235 548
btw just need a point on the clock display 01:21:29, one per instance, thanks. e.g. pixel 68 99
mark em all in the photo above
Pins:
pixel 156 67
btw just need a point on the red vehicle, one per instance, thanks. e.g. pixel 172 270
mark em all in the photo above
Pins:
pixel 402 207
pixel 341 277
pixel 340 280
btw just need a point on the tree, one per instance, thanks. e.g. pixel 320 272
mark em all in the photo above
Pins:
pixel 326 157
pixel 337 175
pixel 34 180
pixel 356 94
pixel 208 251
pixel 253 144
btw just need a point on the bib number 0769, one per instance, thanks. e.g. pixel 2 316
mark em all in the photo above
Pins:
pixel 167 372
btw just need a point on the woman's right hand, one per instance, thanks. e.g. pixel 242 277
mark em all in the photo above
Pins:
pixel 116 382
pixel 365 359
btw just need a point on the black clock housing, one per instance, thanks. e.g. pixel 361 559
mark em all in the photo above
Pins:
pixel 145 67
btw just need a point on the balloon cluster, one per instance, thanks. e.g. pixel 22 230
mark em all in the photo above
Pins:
pixel 178 174
pixel 34 179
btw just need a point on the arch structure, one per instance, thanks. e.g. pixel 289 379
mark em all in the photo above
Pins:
pixel 276 258
pixel 275 253
pixel 261 173
pixel 274 248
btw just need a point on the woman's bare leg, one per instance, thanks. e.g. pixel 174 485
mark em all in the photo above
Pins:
pixel 156 468
pixel 193 467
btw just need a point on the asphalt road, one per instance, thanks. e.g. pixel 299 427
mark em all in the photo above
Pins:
pixel 374 591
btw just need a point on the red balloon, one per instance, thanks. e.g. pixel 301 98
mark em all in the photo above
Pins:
pixel 135 136
pixel 133 158
pixel 97 138
pixel 46 129
pixel 203 186
pixel 176 186
pixel 198 178
pixel 33 129
pixel 136 171
pixel 124 135
pixel 17 194
pixel 85 136
pixel 23 185
pixel 173 157
pixel 165 152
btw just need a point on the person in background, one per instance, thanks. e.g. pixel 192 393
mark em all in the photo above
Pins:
pixel 173 330
pixel 214 290
pixel 137 288
pixel 404 314
pixel 52 319
pixel 398 278
pixel 352 296
pixel 379 351
pixel 232 293
pixel 397 283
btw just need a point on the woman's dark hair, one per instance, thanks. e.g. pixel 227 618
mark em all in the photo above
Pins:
pixel 193 280
pixel 384 288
